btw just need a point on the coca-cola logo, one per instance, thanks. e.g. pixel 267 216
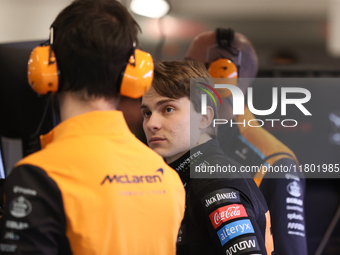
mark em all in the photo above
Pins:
pixel 229 213
pixel 226 213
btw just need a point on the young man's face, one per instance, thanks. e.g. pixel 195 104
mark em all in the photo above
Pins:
pixel 167 124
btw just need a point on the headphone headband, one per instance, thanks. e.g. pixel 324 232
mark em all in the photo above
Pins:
pixel 223 67
pixel 225 37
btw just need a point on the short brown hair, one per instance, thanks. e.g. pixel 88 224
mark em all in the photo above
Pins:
pixel 172 79
pixel 93 41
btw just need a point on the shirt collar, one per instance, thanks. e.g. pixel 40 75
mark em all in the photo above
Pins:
pixel 94 122
pixel 194 157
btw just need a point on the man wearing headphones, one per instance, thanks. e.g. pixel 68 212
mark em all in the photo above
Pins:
pixel 230 55
pixel 93 188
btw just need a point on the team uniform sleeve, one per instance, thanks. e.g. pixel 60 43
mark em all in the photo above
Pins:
pixel 228 215
pixel 34 219
pixel 285 199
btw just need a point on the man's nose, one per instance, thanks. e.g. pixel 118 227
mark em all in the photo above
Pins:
pixel 154 122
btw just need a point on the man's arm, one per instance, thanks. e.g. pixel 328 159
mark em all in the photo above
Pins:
pixel 34 219
pixel 285 199
pixel 230 218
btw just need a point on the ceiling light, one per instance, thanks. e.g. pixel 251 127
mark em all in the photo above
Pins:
pixel 150 8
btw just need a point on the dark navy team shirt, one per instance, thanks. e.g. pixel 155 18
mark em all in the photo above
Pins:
pixel 223 215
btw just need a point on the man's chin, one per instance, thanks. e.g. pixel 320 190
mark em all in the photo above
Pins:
pixel 164 153
pixel 158 150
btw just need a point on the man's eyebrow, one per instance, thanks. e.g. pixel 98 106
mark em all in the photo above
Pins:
pixel 143 106
pixel 165 101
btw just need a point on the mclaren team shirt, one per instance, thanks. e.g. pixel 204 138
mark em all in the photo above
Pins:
pixel 93 189
pixel 284 192
pixel 223 215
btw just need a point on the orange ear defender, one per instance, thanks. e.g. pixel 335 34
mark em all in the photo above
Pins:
pixel 223 68
pixel 138 75
pixel 42 70
pixel 226 69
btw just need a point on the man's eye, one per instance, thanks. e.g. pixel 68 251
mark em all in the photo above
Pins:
pixel 169 109
pixel 146 114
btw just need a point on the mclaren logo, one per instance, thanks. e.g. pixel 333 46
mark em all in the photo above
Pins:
pixel 134 179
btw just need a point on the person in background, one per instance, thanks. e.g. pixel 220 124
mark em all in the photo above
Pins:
pixel 94 188
pixel 249 146
pixel 226 214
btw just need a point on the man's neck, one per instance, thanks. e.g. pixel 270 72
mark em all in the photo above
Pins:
pixel 202 139
pixel 73 104
pixel 205 137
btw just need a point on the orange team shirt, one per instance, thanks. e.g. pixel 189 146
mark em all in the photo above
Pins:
pixel 93 189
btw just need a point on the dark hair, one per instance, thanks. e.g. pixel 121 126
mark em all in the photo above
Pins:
pixel 93 40
pixel 172 79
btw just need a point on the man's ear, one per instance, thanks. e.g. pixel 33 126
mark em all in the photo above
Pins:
pixel 206 119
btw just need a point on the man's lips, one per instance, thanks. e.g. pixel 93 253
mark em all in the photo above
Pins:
pixel 156 140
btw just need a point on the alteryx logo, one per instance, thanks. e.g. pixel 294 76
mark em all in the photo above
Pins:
pixel 134 179
pixel 234 229
pixel 238 103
